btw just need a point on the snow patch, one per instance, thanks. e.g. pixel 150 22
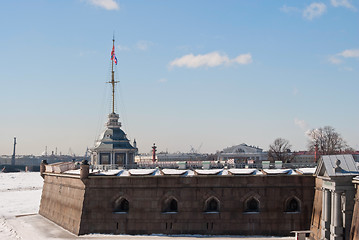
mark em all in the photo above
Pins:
pixel 307 171
pixel 173 171
pixel 240 171
pixel 141 172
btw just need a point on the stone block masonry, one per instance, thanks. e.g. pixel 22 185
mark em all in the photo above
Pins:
pixel 62 201
pixel 202 204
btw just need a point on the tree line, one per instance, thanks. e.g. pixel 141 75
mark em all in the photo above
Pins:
pixel 326 139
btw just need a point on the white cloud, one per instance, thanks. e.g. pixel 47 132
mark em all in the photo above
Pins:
pixel 346 69
pixel 212 59
pixel 301 123
pixel 343 3
pixel 162 80
pixel 338 58
pixel 288 9
pixel 143 45
pixel 295 91
pixel 314 10
pixel 335 60
pixel 350 53
pixel 86 53
pixel 243 59
pixel 106 4
pixel 123 48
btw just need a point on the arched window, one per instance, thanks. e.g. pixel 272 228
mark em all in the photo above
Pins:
pixel 212 205
pixel 292 205
pixel 171 205
pixel 121 205
pixel 252 205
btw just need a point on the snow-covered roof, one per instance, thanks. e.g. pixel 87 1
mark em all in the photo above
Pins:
pixel 114 172
pixel 141 172
pixel 76 171
pixel 113 137
pixel 173 171
pixel 208 171
pixel 337 165
pixel 189 173
pixel 279 172
pixel 306 171
pixel 123 173
pixel 241 171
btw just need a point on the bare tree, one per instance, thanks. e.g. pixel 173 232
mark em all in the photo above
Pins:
pixel 280 150
pixel 329 142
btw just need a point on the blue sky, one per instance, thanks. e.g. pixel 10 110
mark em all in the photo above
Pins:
pixel 192 73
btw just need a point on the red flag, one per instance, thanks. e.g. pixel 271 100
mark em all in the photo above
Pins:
pixel 113 52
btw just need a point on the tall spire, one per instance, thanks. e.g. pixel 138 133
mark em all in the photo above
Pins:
pixel 113 117
pixel 113 82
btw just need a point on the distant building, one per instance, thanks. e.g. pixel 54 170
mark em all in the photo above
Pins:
pixel 32 163
pixel 356 156
pixel 243 154
pixel 171 157
pixel 303 157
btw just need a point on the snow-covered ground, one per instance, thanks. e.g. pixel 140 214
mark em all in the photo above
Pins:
pixel 20 195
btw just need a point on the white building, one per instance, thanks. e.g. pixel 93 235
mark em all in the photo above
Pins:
pixel 243 154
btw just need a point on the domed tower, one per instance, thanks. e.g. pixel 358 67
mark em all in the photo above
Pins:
pixel 113 149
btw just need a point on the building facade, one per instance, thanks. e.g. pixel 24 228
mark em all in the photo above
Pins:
pixel 354 231
pixel 243 153
pixel 334 198
pixel 113 149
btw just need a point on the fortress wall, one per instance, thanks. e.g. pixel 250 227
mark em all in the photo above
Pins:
pixel 146 196
pixel 62 201
pixel 315 226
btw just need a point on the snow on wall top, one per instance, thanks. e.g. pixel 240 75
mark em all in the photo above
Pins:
pixel 204 172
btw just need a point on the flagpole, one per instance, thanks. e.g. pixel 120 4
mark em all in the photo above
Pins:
pixel 113 77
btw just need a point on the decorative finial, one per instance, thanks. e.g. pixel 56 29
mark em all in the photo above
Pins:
pixel 338 162
pixel 337 168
